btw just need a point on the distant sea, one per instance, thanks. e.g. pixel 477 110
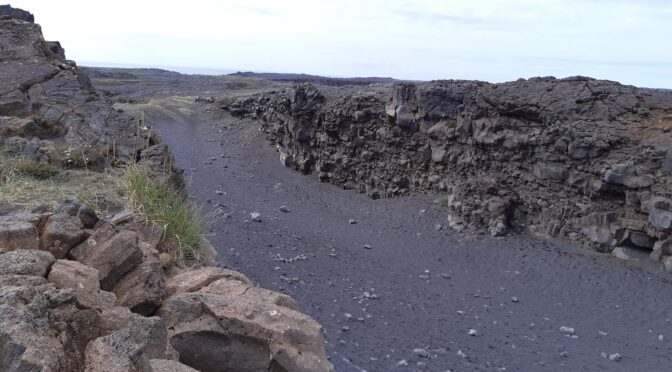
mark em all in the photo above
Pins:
pixel 182 70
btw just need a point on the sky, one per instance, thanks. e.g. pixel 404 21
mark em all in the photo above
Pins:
pixel 491 40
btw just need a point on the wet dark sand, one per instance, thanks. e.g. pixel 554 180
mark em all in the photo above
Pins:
pixel 417 287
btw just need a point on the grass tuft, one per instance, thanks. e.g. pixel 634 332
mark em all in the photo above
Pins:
pixel 40 171
pixel 162 205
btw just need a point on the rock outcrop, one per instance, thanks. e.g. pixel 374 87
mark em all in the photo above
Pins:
pixel 112 305
pixel 50 112
pixel 579 158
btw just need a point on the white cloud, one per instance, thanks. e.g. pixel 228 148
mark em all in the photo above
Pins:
pixel 478 39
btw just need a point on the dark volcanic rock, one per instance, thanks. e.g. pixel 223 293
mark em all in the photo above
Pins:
pixel 7 12
pixel 47 102
pixel 568 157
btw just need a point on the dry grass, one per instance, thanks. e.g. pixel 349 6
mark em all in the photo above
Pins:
pixel 28 184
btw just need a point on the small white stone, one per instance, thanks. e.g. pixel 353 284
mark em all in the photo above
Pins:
pixel 615 357
pixel 567 330
pixel 256 217
pixel 273 312
pixel 473 332
pixel 402 363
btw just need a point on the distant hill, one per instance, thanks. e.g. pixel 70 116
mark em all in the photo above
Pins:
pixel 316 79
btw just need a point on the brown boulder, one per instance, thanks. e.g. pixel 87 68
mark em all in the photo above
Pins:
pixel 26 262
pixel 84 280
pixel 239 330
pixel 113 258
pixel 247 292
pixel 17 233
pixel 193 280
pixel 142 288
pixel 61 233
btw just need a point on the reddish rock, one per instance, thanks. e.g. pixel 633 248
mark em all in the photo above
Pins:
pixel 113 258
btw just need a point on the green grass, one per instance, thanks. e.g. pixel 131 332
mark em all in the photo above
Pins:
pixel 162 205
pixel 40 171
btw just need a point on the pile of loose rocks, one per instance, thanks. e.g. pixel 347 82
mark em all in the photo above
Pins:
pixel 79 293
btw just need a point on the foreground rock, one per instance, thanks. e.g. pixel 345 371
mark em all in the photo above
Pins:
pixel 578 158
pixel 69 322
pixel 232 326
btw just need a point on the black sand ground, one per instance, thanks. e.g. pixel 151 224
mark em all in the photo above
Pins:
pixel 395 293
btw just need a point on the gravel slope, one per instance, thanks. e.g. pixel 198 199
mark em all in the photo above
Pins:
pixel 394 292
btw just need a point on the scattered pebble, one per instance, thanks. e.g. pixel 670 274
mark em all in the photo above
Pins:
pixel 351 221
pixel 256 217
pixel 473 332
pixel 366 246
pixel 567 330
pixel 284 209
pixel 402 363
pixel 461 354
pixel 615 357
pixel 602 333
pixel 422 353
pixel 514 299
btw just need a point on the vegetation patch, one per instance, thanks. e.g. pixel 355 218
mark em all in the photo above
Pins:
pixel 40 171
pixel 27 184
pixel 162 205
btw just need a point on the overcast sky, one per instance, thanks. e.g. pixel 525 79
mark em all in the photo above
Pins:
pixel 628 41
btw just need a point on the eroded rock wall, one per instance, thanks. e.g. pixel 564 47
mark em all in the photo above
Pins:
pixel 585 159
pixel 50 112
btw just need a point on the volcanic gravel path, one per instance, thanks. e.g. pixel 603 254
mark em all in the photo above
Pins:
pixel 394 291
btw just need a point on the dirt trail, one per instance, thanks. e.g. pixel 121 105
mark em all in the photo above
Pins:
pixel 395 292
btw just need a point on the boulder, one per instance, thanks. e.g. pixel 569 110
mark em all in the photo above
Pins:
pixel 660 213
pixel 27 320
pixel 74 208
pixel 26 262
pixel 142 288
pixel 248 292
pixel 128 349
pixel 113 258
pixel 61 233
pixel 14 280
pixel 17 233
pixel 166 365
pixel 195 279
pixel 84 280
pixel 234 327
pixel 661 248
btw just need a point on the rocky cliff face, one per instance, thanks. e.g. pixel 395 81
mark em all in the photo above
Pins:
pixel 50 112
pixel 585 159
